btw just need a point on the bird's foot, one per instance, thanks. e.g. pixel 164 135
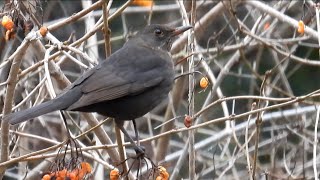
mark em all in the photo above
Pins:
pixel 140 151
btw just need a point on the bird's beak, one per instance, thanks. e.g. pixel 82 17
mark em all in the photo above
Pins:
pixel 180 30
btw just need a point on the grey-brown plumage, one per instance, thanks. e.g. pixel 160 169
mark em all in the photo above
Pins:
pixel 127 85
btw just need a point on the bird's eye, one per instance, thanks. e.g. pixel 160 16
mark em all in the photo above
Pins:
pixel 158 32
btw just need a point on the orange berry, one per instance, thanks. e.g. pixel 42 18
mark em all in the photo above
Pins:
pixel 62 173
pixel 75 172
pixel 163 173
pixel 7 22
pixel 159 178
pixel 43 31
pixel 266 25
pixel 114 174
pixel 81 174
pixel 72 176
pixel 46 177
pixel 204 82
pixel 86 167
pixel 187 122
pixel 146 3
pixel 301 27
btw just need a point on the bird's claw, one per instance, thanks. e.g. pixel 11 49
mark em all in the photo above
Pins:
pixel 140 151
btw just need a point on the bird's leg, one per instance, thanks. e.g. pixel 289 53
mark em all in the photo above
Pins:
pixel 139 149
pixel 136 132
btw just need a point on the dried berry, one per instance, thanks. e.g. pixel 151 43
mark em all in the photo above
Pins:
pixel 187 121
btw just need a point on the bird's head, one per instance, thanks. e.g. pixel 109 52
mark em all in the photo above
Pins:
pixel 161 36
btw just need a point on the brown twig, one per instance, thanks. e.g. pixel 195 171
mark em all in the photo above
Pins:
pixel 121 151
pixel 75 17
pixel 258 124
pixel 12 81
pixel 107 32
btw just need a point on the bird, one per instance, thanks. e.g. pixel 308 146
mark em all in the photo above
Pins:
pixel 127 85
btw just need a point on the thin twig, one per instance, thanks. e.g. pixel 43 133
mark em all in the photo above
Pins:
pixel 107 32
pixel 12 80
pixel 315 142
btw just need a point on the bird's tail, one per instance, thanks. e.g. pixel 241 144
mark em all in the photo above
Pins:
pixel 59 103
pixel 38 110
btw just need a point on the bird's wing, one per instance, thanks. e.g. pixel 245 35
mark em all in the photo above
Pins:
pixel 109 81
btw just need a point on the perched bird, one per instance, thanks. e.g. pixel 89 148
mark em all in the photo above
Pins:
pixel 127 85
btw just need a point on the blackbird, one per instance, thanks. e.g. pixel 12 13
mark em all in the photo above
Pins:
pixel 127 85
